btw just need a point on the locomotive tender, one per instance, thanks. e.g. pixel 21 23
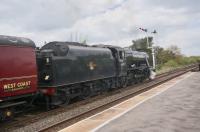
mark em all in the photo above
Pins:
pixel 60 71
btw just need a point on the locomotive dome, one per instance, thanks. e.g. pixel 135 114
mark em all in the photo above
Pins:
pixel 16 41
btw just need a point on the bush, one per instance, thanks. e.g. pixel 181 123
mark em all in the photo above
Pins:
pixel 171 63
pixel 177 62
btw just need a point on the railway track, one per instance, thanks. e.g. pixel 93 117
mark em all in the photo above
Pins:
pixel 68 115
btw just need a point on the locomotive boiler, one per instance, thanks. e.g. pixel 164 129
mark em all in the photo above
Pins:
pixel 138 66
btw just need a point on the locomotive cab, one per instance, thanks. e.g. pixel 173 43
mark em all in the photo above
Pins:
pixel 118 54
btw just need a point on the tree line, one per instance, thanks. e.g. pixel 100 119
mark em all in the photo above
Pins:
pixel 166 58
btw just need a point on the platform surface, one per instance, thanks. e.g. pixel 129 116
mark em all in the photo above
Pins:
pixel 175 110
pixel 173 106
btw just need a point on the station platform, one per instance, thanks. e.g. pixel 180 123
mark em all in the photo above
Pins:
pixel 171 107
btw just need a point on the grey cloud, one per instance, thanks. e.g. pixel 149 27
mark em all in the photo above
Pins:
pixel 103 20
pixel 38 15
pixel 192 5
pixel 41 15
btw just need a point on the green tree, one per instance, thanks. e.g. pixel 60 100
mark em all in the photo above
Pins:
pixel 141 44
pixel 175 50
pixel 168 58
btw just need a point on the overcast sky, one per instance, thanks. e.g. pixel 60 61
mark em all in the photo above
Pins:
pixel 114 22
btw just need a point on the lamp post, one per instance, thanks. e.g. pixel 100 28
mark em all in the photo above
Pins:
pixel 150 47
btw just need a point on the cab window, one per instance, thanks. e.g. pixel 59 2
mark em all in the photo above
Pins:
pixel 121 55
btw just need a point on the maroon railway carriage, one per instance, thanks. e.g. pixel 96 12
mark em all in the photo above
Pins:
pixel 18 73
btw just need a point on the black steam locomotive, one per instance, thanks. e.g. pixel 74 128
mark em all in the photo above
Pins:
pixel 67 70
